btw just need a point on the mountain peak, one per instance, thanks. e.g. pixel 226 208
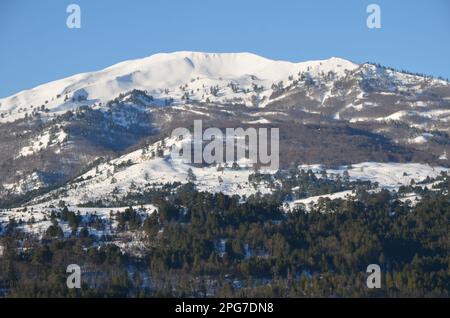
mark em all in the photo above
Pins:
pixel 162 75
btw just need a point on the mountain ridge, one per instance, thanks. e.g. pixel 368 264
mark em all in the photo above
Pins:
pixel 362 113
pixel 161 71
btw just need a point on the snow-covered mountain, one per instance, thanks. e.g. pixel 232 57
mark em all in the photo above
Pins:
pixel 331 112
pixel 243 79
pixel 172 76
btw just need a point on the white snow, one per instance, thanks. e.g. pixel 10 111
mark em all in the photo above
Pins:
pixel 43 141
pixel 36 218
pixel 152 171
pixel 168 75
pixel 259 121
pixel 389 175
pixel 142 170
pixel 436 114
pixel 421 139
pixel 308 202
pixel 25 184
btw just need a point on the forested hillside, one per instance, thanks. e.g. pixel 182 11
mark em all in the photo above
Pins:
pixel 203 244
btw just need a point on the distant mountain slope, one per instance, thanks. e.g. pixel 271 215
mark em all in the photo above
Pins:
pixel 330 112
pixel 166 77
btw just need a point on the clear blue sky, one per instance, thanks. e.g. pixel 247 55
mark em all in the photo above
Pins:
pixel 37 47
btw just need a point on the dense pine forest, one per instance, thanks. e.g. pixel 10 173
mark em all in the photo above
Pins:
pixel 206 245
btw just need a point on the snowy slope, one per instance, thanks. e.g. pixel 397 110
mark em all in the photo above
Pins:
pixel 141 169
pixel 388 175
pixel 167 76
pixel 36 219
